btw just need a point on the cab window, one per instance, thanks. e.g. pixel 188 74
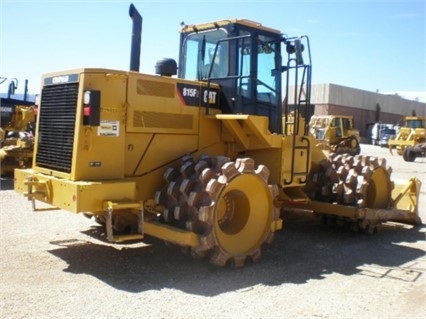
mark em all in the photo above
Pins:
pixel 199 57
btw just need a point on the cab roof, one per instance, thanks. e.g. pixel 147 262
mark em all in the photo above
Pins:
pixel 220 23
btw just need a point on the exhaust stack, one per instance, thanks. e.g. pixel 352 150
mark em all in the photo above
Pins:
pixel 135 50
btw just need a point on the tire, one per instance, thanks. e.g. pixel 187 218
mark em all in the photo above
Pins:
pixel 409 155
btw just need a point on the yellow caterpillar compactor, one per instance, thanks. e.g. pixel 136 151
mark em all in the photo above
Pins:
pixel 203 160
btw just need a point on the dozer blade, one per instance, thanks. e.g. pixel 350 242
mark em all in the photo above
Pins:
pixel 406 202
pixel 404 208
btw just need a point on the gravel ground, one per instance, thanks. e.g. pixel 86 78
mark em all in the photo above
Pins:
pixel 57 265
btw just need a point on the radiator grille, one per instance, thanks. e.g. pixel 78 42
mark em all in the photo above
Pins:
pixel 56 127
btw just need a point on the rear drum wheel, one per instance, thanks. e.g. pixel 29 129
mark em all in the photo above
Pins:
pixel 358 181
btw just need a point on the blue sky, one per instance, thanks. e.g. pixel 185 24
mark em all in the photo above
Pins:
pixel 370 45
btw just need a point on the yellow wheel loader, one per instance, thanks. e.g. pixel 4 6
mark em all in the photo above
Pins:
pixel 411 133
pixel 335 133
pixel 203 160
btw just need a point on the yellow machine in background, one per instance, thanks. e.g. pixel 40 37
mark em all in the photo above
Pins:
pixel 17 140
pixel 335 133
pixel 412 132
pixel 203 160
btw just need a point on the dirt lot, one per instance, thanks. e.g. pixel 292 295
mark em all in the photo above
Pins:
pixel 56 265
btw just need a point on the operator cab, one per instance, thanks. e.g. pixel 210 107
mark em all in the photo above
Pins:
pixel 244 58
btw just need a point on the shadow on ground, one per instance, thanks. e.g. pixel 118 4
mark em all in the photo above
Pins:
pixel 305 250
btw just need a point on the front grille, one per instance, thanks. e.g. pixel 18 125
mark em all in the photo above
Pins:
pixel 56 126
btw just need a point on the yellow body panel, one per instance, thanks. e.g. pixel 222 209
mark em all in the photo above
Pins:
pixel 145 128
pixel 171 234
pixel 103 139
pixel 154 107
pixel 248 131
pixel 73 196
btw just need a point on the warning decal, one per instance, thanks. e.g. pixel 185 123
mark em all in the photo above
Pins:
pixel 109 128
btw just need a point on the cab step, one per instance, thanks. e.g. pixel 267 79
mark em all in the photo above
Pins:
pixel 115 207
